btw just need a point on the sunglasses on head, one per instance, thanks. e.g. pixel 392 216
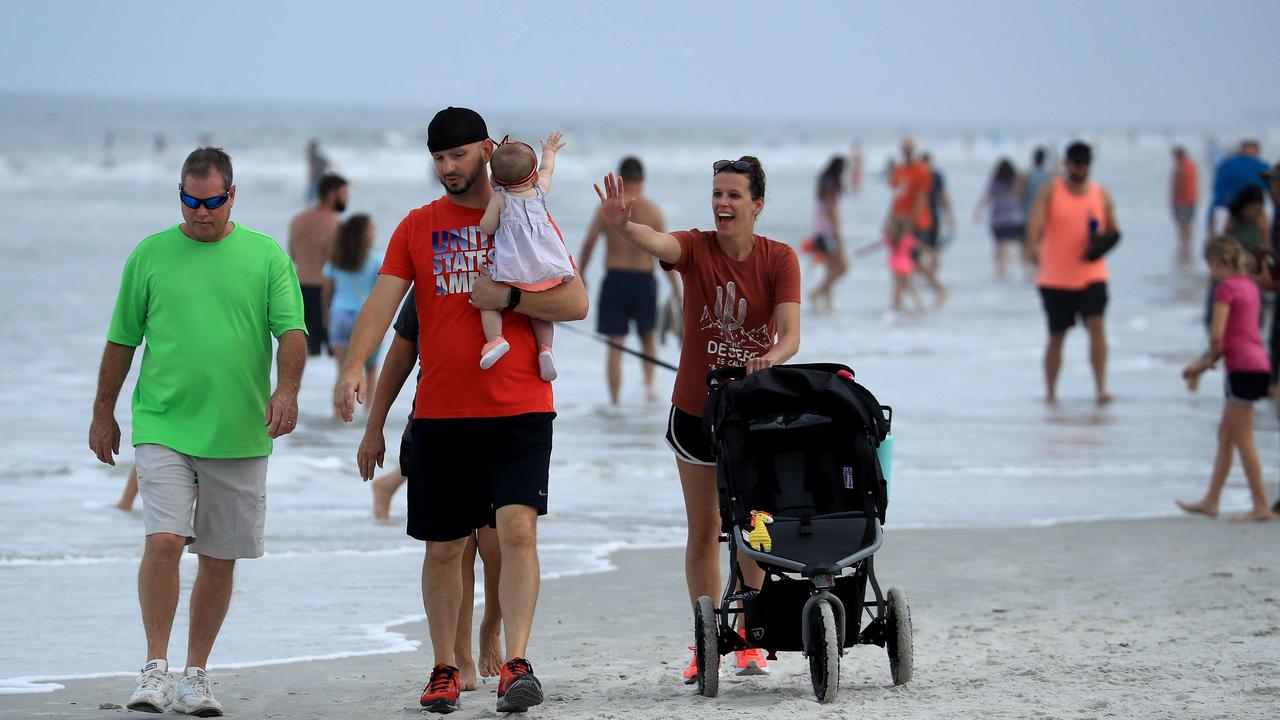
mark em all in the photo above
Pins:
pixel 212 203
pixel 741 166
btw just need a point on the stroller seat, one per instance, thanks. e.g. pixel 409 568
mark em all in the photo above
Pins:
pixel 819 545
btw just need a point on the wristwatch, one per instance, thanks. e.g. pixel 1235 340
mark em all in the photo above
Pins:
pixel 513 297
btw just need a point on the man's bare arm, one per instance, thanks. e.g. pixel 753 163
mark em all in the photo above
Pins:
pixel 1110 209
pixel 395 370
pixel 589 242
pixel 282 408
pixel 104 431
pixel 1035 223
pixel 371 325
pixel 563 303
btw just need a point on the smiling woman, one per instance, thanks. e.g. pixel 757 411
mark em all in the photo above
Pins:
pixel 741 308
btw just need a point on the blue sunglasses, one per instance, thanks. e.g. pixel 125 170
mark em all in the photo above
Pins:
pixel 213 203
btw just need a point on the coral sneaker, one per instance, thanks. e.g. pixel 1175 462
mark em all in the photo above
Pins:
pixel 750 661
pixel 441 693
pixel 492 352
pixel 518 689
pixel 691 672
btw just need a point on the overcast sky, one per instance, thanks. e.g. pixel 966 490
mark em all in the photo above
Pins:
pixel 1011 62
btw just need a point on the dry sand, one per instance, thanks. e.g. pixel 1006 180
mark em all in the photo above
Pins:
pixel 1172 618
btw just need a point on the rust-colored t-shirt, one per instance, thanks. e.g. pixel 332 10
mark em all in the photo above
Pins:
pixel 1186 188
pixel 440 248
pixel 728 307
pixel 909 182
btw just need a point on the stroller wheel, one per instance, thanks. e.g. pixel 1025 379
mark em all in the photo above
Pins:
pixel 706 646
pixel 898 629
pixel 824 652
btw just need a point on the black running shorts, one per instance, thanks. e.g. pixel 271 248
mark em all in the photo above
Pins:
pixel 1062 306
pixel 406 461
pixel 461 470
pixel 1247 387
pixel 687 439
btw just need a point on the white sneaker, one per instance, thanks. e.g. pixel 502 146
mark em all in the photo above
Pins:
pixel 546 364
pixel 194 697
pixel 155 688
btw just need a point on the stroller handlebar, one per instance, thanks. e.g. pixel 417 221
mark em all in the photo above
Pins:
pixel 720 376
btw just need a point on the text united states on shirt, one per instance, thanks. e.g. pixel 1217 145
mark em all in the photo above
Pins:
pixel 457 258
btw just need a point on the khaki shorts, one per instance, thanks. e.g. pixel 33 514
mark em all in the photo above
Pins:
pixel 227 519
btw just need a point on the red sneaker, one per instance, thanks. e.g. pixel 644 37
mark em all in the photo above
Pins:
pixel 441 693
pixel 691 672
pixel 518 689
pixel 750 661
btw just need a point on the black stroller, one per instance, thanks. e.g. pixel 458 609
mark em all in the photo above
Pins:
pixel 802 494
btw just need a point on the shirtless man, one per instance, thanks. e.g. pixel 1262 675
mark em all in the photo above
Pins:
pixel 311 234
pixel 629 291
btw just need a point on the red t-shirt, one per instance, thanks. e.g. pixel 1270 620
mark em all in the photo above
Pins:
pixel 909 182
pixel 728 307
pixel 440 248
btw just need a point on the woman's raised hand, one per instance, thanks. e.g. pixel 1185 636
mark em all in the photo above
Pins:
pixel 614 208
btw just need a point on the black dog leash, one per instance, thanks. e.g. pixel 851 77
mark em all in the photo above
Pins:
pixel 620 346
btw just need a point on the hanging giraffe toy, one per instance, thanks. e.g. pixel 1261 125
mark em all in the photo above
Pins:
pixel 759 538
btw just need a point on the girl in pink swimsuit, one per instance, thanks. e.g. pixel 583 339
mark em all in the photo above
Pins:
pixel 902 247
pixel 1234 337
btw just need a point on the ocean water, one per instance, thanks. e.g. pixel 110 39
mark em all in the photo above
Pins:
pixel 974 443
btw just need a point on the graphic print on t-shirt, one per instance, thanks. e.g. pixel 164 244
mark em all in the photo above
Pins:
pixel 458 256
pixel 730 345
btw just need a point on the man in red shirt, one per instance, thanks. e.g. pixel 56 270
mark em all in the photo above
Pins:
pixel 911 182
pixel 481 440
pixel 1184 190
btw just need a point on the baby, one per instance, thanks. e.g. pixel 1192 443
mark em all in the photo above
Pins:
pixel 529 251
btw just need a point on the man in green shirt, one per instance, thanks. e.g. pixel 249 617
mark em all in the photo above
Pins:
pixel 207 295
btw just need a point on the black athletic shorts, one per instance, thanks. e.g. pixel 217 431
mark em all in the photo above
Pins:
pixel 406 461
pixel 687 439
pixel 1012 232
pixel 1062 306
pixel 461 470
pixel 313 316
pixel 626 296
pixel 928 237
pixel 1247 386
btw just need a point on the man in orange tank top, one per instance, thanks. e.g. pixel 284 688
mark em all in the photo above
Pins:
pixel 1067 211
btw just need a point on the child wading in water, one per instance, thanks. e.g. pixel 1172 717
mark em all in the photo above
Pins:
pixel 902 247
pixel 528 250
pixel 1234 336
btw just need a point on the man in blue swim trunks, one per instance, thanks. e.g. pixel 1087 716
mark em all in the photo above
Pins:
pixel 629 293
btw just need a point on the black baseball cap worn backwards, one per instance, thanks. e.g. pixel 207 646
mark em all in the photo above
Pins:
pixel 454 127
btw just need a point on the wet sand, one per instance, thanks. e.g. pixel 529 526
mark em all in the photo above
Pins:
pixel 1162 618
